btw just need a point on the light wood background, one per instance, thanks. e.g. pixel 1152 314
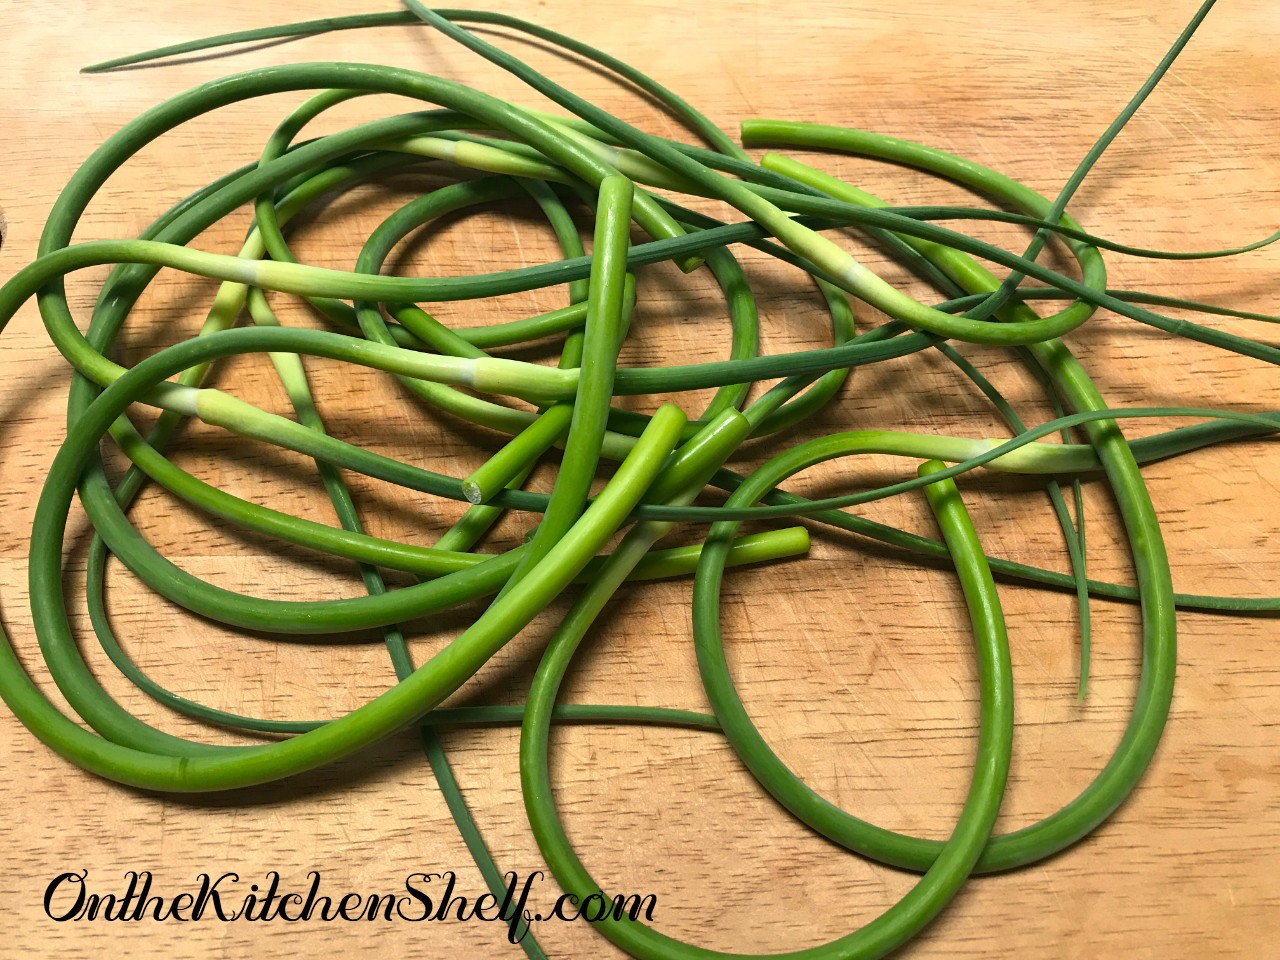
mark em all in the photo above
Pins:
pixel 855 661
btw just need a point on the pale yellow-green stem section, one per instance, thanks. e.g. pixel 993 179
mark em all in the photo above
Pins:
pixel 631 163
pixel 477 156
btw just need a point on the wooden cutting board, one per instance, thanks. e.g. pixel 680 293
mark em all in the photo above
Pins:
pixel 855 662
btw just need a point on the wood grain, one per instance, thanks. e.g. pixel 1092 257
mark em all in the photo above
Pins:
pixel 855 662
